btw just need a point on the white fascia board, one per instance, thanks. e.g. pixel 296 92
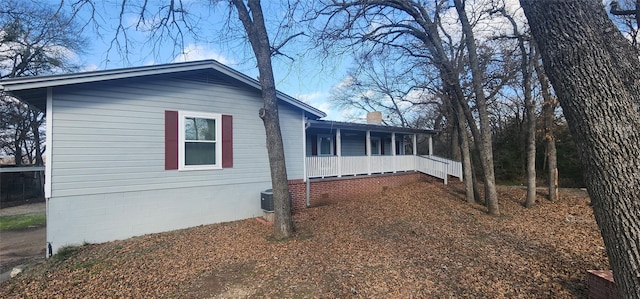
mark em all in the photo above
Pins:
pixel 24 83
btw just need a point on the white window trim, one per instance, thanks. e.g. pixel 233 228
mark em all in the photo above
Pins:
pixel 319 145
pixel 181 140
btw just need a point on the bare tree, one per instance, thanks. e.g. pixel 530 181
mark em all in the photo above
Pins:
pixel 627 14
pixel 400 93
pixel 594 71
pixel 416 28
pixel 526 71
pixel 485 141
pixel 548 113
pixel 35 39
pixel 254 24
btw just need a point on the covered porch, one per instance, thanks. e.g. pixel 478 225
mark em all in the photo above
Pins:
pixel 339 149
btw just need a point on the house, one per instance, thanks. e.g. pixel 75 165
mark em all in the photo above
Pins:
pixel 149 149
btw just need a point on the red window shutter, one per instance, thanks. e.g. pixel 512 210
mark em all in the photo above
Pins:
pixel 227 141
pixel 170 140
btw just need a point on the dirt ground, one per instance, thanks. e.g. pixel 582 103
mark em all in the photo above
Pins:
pixel 417 241
pixel 23 246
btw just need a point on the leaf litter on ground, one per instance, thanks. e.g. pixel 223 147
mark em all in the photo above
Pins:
pixel 420 240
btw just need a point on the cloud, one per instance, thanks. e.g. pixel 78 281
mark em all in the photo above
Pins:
pixel 486 25
pixel 320 100
pixel 194 52
pixel 90 68
pixel 315 96
pixel 346 82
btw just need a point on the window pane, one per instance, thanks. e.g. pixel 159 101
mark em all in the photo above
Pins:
pixel 190 128
pixel 199 153
pixel 199 129
pixel 325 145
pixel 375 146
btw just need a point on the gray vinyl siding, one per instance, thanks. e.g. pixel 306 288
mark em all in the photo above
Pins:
pixel 108 178
pixel 353 146
pixel 292 131
pixel 110 137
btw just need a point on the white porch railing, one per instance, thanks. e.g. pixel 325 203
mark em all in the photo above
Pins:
pixel 432 167
pixel 454 168
pixel 354 165
pixel 335 166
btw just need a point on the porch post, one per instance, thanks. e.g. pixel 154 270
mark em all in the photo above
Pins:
pixel 393 151
pixel 368 151
pixel 430 145
pixel 48 170
pixel 304 148
pixel 393 143
pixel 339 151
pixel 48 145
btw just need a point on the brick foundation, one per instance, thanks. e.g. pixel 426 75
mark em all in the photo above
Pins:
pixel 324 191
pixel 601 285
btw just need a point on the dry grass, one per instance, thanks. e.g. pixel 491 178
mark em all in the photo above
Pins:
pixel 420 241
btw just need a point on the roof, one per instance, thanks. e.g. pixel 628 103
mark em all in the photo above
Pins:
pixel 329 124
pixel 33 89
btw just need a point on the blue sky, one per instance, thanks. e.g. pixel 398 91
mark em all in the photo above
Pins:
pixel 305 75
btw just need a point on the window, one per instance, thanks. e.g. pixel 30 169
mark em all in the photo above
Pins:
pixel 375 146
pixel 325 145
pixel 400 146
pixel 199 144
pixel 198 141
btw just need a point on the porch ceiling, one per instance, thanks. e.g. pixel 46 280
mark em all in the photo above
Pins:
pixel 327 124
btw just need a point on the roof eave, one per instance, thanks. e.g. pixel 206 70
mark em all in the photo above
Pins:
pixel 328 124
pixel 26 83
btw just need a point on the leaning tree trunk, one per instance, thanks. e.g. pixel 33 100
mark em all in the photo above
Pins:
pixel 466 154
pixel 594 72
pixel 253 22
pixel 548 113
pixel 481 102
pixel 455 141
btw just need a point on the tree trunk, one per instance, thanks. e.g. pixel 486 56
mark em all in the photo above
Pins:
pixel 35 130
pixel 531 151
pixel 526 69
pixel 486 155
pixel 466 155
pixel 531 126
pixel 548 113
pixel 17 157
pixel 594 71
pixel 253 22
pixel 476 187
pixel 455 141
